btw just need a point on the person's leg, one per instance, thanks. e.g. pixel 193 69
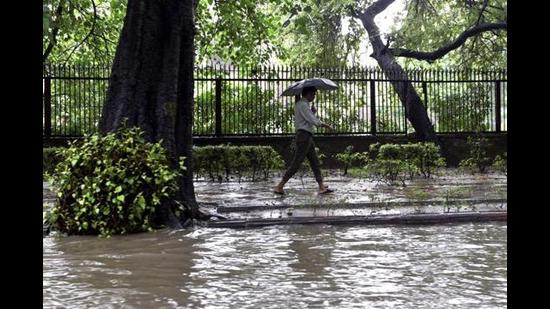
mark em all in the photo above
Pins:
pixel 302 147
pixel 316 166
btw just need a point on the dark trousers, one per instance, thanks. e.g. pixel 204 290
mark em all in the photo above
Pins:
pixel 305 147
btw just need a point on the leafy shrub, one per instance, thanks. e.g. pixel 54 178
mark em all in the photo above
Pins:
pixel 111 184
pixel 425 156
pixel 500 164
pixel 390 171
pixel 210 160
pixel 50 158
pixel 392 163
pixel 221 161
pixel 477 160
pixel 348 158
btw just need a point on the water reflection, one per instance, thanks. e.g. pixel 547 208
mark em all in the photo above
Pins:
pixel 445 266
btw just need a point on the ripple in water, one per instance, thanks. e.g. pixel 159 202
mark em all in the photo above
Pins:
pixel 442 266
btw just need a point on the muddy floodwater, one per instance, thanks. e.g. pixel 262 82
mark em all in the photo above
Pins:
pixel 436 266
pixel 460 265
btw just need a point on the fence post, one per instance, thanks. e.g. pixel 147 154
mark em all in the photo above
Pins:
pixel 372 108
pixel 497 106
pixel 47 106
pixel 218 107
pixel 425 90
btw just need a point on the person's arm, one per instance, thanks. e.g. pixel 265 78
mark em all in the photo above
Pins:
pixel 308 115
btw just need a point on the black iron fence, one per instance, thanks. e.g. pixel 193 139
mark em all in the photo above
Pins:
pixel 232 101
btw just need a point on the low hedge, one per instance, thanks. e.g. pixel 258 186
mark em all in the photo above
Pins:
pixel 393 163
pixel 221 162
pixel 216 163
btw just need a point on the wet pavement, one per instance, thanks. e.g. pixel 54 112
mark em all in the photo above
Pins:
pixel 353 197
pixel 451 192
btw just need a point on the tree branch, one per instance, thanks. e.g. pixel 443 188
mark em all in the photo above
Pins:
pixel 102 36
pixel 377 7
pixel 367 18
pixel 87 35
pixel 431 56
pixel 485 3
pixel 353 12
pixel 55 30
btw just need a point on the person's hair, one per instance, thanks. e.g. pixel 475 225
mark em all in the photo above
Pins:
pixel 307 90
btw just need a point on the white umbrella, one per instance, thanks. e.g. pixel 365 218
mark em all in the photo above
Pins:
pixel 319 83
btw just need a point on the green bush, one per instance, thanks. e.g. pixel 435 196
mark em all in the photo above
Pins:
pixel 111 184
pixel 211 161
pixel 349 159
pixel 391 163
pixel 219 162
pixel 388 164
pixel 500 163
pixel 50 158
pixel 477 160
pixel 425 156
pixel 390 171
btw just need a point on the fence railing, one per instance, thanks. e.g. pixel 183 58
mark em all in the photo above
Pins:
pixel 233 101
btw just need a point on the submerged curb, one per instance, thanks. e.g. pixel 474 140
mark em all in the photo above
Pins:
pixel 229 209
pixel 409 219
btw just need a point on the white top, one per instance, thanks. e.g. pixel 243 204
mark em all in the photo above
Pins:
pixel 304 118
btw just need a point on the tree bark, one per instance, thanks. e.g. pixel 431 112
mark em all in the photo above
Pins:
pixel 415 111
pixel 151 83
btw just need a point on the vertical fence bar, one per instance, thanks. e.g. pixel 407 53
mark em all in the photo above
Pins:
pixel 235 100
pixel 364 96
pixel 81 95
pixel 425 90
pixel 497 106
pixel 372 108
pixel 463 90
pixel 218 107
pixel 54 88
pixel 75 103
pixel 70 95
pixel 97 95
pixel 62 103
pixel 48 106
pixel 88 86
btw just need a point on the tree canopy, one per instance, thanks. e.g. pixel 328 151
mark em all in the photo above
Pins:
pixel 431 25
pixel 309 32
pixel 81 31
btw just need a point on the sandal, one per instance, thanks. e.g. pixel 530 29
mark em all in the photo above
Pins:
pixel 326 191
pixel 278 192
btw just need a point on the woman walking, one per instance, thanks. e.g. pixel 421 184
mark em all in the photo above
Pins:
pixel 304 122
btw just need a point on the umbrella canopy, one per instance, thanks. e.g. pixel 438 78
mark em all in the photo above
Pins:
pixel 319 83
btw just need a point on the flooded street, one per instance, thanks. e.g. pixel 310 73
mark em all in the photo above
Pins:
pixel 349 190
pixel 294 266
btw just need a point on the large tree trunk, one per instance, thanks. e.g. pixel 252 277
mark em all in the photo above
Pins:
pixel 151 83
pixel 416 113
